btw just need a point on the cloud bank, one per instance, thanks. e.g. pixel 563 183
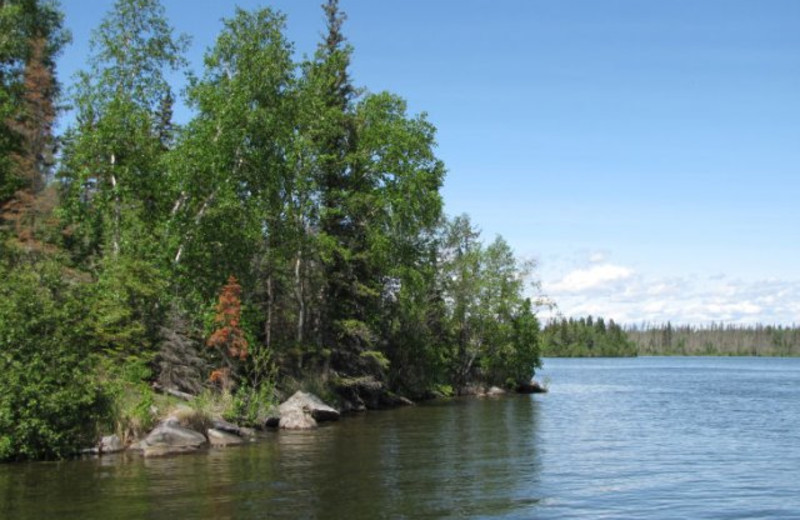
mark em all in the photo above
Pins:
pixel 621 293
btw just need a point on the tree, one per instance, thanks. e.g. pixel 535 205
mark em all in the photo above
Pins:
pixel 113 177
pixel 229 170
pixel 228 337
pixel 348 292
pixel 33 37
pixel 493 330
pixel 586 337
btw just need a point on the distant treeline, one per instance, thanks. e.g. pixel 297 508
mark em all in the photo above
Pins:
pixel 716 339
pixel 586 337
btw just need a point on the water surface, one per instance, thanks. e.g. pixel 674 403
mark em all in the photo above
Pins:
pixel 614 438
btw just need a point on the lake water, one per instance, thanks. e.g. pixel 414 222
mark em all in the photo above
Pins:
pixel 614 438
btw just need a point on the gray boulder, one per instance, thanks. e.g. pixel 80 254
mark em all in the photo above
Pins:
pixel 222 425
pixel 297 420
pixel 303 411
pixel 170 437
pixel 309 404
pixel 495 391
pixel 110 444
pixel 221 438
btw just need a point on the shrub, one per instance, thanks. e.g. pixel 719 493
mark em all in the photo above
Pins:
pixel 50 404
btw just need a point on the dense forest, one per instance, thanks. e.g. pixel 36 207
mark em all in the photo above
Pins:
pixel 290 235
pixel 716 339
pixel 586 337
pixel 596 337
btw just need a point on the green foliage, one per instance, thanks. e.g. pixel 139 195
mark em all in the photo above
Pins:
pixel 50 403
pixel 115 193
pixel 494 335
pixel 322 198
pixel 125 308
pixel 587 337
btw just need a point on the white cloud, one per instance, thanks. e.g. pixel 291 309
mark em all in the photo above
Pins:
pixel 597 257
pixel 591 278
pixel 627 296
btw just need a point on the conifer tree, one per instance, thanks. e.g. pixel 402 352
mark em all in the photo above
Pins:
pixel 33 37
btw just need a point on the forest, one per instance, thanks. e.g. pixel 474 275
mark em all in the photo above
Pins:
pixel 715 339
pixel 586 337
pixel 596 337
pixel 290 235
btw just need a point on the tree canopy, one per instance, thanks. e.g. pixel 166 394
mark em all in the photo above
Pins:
pixel 295 224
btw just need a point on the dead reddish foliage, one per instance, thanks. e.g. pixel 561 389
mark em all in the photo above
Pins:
pixel 229 336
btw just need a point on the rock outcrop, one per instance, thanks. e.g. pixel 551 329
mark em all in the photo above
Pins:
pixel 296 420
pixel 220 438
pixel 359 394
pixel 495 391
pixel 170 437
pixel 303 411
pixel 110 444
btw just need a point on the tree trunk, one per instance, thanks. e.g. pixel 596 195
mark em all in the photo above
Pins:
pixel 268 322
pixel 117 208
pixel 197 218
pixel 299 293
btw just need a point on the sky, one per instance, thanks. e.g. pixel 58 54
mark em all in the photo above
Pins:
pixel 644 154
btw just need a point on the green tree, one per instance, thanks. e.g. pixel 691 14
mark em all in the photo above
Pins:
pixel 349 290
pixel 493 330
pixel 230 180
pixel 112 170
pixel 115 196
pixel 586 337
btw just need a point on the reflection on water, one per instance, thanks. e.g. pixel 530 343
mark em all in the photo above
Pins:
pixel 452 459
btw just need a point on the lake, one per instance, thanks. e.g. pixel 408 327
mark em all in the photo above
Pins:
pixel 645 437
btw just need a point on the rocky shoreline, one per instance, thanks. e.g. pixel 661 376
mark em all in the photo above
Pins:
pixel 184 430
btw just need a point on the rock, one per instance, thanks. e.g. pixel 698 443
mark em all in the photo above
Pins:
pixel 272 421
pixel 357 394
pixel 297 419
pixel 472 390
pixel 308 404
pixel 110 444
pixel 531 387
pixel 247 433
pixel 170 437
pixel 221 438
pixel 495 391
pixel 222 425
pixel 392 400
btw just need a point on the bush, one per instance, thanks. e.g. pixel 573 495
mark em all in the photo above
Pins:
pixel 49 403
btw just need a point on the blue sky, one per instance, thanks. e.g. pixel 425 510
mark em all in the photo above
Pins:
pixel 646 154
